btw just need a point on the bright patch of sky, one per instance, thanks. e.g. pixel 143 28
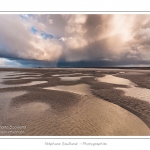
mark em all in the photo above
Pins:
pixel 47 36
pixel 34 30
pixel 43 34
pixel 25 16
pixel 9 63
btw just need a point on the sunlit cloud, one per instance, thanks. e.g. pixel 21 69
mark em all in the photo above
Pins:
pixel 73 38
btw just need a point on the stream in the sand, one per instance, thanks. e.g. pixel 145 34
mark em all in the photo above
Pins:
pixel 4 76
pixel 132 90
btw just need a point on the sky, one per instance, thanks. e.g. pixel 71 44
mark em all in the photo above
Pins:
pixel 74 40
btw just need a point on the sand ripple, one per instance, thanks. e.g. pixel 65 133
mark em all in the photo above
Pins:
pixel 91 116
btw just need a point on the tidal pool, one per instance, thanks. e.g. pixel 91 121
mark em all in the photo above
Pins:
pixel 73 78
pixel 58 75
pixel 132 90
pixel 25 84
pixel 137 92
pixel 31 78
pixel 4 74
pixel 115 80
pixel 21 75
pixel 77 89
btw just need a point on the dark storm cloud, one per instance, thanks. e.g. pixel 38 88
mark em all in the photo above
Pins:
pixel 106 39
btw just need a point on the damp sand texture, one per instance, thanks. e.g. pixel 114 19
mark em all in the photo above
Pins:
pixel 47 112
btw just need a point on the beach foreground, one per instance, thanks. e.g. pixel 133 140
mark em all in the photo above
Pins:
pixel 71 102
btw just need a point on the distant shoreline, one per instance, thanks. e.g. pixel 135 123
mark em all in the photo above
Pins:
pixel 136 68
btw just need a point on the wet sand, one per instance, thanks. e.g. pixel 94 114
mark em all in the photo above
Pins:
pixel 78 107
pixel 73 78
